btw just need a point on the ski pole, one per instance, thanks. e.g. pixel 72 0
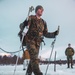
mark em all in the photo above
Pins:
pixel 50 55
pixel 55 62
pixel 16 63
pixel 18 55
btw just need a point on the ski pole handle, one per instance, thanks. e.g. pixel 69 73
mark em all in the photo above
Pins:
pixel 30 10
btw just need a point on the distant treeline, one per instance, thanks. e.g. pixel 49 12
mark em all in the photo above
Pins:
pixel 5 60
pixel 60 62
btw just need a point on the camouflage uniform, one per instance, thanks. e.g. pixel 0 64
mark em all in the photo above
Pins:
pixel 33 38
pixel 69 53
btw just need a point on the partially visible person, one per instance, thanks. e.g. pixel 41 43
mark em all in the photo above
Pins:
pixel 26 59
pixel 69 52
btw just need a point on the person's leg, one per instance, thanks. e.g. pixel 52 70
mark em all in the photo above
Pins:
pixel 29 69
pixel 71 62
pixel 68 63
pixel 33 51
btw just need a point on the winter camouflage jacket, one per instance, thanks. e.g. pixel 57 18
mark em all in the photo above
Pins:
pixel 37 29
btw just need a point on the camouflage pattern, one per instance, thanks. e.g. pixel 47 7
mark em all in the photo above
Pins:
pixel 69 53
pixel 37 28
pixel 33 38
pixel 33 48
pixel 33 43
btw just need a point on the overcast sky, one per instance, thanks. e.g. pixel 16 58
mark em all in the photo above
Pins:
pixel 56 12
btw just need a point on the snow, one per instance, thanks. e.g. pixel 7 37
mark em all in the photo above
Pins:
pixel 60 70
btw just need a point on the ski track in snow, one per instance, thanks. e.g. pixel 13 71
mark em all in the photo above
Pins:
pixel 60 70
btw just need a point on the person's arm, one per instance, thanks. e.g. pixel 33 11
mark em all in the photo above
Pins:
pixel 23 25
pixel 66 52
pixel 49 34
pixel 73 51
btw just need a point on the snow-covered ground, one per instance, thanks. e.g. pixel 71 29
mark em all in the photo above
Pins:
pixel 60 70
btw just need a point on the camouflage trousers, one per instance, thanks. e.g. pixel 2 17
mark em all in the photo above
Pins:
pixel 69 60
pixel 33 49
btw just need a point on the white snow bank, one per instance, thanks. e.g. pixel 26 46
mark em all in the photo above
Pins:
pixel 60 70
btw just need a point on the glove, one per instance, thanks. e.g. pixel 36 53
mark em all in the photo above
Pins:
pixel 56 32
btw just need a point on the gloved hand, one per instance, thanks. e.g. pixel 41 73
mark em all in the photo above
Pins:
pixel 56 32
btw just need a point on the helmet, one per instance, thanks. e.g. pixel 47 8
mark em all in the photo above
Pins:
pixel 38 7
